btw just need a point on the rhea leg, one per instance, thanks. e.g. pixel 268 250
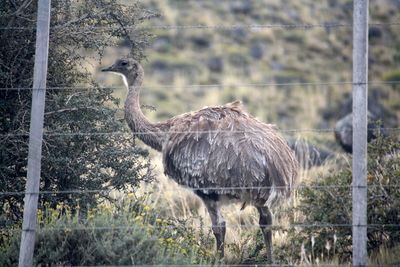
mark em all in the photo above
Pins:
pixel 265 225
pixel 218 224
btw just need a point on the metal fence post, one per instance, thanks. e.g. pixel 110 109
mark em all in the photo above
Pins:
pixel 360 96
pixel 35 134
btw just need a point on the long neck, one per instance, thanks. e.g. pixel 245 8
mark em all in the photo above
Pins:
pixel 146 131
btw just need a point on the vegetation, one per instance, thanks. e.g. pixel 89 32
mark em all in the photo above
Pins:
pixel 332 205
pixel 126 233
pixel 75 105
pixel 278 55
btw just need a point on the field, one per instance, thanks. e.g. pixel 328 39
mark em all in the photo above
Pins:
pixel 280 62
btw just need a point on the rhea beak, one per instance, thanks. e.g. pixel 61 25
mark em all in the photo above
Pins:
pixel 107 69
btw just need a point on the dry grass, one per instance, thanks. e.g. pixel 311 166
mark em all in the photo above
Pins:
pixel 315 55
pixel 180 203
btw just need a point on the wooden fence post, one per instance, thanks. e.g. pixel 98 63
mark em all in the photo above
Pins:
pixel 35 134
pixel 360 107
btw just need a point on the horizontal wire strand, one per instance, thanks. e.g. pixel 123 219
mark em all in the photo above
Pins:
pixel 274 227
pixel 294 84
pixel 231 188
pixel 321 130
pixel 289 26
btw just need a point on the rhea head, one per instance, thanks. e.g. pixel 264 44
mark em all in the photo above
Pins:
pixel 129 69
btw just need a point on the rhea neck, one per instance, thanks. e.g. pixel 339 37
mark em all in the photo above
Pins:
pixel 146 131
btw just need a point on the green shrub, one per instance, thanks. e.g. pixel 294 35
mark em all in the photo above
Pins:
pixel 70 161
pixel 124 234
pixel 332 205
pixel 392 76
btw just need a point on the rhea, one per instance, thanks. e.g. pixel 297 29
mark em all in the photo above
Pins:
pixel 222 153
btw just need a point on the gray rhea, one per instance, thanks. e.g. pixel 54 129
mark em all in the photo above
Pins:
pixel 224 154
pixel 344 130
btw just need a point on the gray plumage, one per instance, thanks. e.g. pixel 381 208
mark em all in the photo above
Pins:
pixel 344 131
pixel 309 155
pixel 221 149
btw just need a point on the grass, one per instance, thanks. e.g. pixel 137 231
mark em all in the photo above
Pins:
pixel 315 55
pixel 183 204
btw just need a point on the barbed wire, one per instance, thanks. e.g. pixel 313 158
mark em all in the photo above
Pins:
pixel 289 26
pixel 227 188
pixel 292 84
pixel 320 130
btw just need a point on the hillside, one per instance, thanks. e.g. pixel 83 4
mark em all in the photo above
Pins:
pixel 257 66
pixel 233 58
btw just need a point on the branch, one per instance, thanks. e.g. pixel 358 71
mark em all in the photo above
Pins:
pixel 69 110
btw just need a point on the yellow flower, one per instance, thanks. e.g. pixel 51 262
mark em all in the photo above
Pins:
pixel 146 208
pixel 158 220
pixel 131 195
pixel 370 178
pixel 138 218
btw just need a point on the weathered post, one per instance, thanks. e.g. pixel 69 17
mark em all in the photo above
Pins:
pixel 35 134
pixel 360 96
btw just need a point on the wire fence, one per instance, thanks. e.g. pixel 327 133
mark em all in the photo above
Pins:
pixel 218 27
pixel 275 227
pixel 196 86
pixel 130 133
pixel 227 188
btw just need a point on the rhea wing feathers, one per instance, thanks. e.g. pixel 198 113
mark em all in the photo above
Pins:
pixel 225 148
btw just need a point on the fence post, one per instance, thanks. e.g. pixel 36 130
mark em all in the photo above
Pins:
pixel 360 96
pixel 35 134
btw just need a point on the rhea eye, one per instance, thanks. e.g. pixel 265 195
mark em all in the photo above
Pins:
pixel 124 63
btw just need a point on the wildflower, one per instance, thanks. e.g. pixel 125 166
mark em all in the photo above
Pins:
pixel 370 178
pixel 91 214
pixel 131 195
pixel 40 217
pixel 149 231
pixel 158 220
pixel 146 208
pixel 59 206
pixel 138 218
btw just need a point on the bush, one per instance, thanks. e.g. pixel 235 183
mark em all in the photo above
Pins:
pixel 71 161
pixel 332 205
pixel 127 233
pixel 392 76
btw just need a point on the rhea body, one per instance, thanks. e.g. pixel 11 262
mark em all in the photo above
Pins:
pixel 221 152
